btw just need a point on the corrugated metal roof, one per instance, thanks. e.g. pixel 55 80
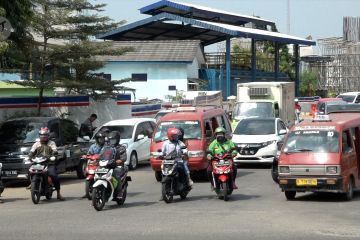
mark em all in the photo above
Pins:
pixel 208 32
pixel 201 13
pixel 156 51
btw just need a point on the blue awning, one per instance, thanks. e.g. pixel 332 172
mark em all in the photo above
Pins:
pixel 166 26
pixel 202 13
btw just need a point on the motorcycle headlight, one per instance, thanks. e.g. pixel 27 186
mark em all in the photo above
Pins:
pixel 91 171
pixel 268 143
pixel 155 154
pixel 26 160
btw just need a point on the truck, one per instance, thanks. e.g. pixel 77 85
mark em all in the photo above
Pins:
pixel 265 99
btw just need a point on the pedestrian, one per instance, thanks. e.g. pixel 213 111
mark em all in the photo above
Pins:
pixel 87 128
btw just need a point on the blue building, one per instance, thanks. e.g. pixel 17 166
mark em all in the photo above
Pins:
pixel 156 68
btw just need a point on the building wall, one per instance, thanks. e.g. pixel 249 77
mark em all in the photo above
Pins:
pixel 159 77
pixel 18 92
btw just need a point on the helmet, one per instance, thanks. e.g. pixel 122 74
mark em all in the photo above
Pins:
pixel 296 100
pixel 114 138
pixel 44 134
pixel 173 134
pixel 220 130
pixel 100 138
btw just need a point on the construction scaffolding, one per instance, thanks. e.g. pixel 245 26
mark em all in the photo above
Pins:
pixel 338 66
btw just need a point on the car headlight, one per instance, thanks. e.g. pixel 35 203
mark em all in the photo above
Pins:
pixel 284 169
pixel 196 153
pixel 332 169
pixel 268 143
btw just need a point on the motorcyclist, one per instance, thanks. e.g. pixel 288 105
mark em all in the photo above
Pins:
pixel 218 146
pixel 47 148
pixel 96 147
pixel 119 156
pixel 1 185
pixel 173 143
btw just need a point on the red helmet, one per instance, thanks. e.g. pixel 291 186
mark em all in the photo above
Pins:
pixel 172 133
pixel 44 134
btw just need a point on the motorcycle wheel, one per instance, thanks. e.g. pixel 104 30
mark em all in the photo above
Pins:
pixel 226 191
pixel 49 194
pixel 35 191
pixel 183 195
pixel 88 191
pixel 166 196
pixel 122 201
pixel 98 198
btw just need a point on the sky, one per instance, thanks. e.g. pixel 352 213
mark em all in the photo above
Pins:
pixel 318 18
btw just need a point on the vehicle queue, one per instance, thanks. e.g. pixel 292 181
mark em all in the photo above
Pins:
pixel 318 155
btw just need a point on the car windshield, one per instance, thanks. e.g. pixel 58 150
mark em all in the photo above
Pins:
pixel 252 109
pixel 312 141
pixel 255 127
pixel 192 129
pixel 347 98
pixel 126 131
pixel 20 132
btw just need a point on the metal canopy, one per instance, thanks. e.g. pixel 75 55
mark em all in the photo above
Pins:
pixel 202 13
pixel 166 26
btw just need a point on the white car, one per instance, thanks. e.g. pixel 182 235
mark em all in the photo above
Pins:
pixel 350 97
pixel 136 135
pixel 256 139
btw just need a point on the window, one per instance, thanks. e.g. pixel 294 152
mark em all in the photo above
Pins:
pixel 346 142
pixel 140 130
pixel 54 129
pixel 139 77
pixel 172 88
pixel 357 99
pixel 148 129
pixel 69 131
pixel 280 126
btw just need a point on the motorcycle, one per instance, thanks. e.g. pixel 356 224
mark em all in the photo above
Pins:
pixel 92 164
pixel 105 185
pixel 173 179
pixel 1 183
pixel 41 183
pixel 222 175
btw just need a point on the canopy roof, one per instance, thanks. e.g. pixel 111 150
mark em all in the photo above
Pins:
pixel 166 26
pixel 201 13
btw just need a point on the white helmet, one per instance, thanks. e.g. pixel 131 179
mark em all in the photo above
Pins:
pixel 296 100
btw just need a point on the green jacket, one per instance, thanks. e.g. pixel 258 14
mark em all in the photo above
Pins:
pixel 216 148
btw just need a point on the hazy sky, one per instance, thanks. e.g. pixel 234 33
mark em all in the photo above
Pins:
pixel 318 18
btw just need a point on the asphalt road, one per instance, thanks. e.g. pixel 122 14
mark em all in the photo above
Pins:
pixel 257 210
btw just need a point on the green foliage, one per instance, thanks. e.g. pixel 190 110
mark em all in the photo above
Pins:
pixel 308 84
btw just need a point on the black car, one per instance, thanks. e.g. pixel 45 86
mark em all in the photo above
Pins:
pixel 18 135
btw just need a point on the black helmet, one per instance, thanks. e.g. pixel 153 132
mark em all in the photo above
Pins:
pixel 100 138
pixel 105 131
pixel 114 138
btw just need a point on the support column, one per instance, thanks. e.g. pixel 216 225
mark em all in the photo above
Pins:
pixel 228 67
pixel 253 60
pixel 276 67
pixel 297 70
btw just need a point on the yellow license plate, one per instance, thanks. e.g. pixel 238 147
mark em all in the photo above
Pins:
pixel 306 182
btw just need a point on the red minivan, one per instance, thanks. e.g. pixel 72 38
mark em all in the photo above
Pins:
pixel 199 124
pixel 322 156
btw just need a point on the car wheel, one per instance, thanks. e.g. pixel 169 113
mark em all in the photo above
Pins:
pixel 350 190
pixel 81 169
pixel 290 195
pixel 133 161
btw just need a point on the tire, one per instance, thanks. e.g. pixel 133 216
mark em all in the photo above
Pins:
pixel 122 201
pixel 133 163
pixel 290 195
pixel 226 191
pixel 183 195
pixel 81 169
pixel 166 197
pixel 158 176
pixel 35 191
pixel 275 173
pixel 98 198
pixel 88 192
pixel 350 190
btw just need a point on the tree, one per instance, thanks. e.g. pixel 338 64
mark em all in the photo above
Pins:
pixel 308 84
pixel 63 54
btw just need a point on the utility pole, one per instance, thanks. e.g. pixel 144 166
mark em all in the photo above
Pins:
pixel 288 16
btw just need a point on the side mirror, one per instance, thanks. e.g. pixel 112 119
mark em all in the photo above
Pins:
pixel 208 133
pixel 282 132
pixel 86 138
pixel 140 137
pixel 183 147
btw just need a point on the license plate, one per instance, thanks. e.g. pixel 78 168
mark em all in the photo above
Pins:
pixel 306 182
pixel 101 170
pixel 9 173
